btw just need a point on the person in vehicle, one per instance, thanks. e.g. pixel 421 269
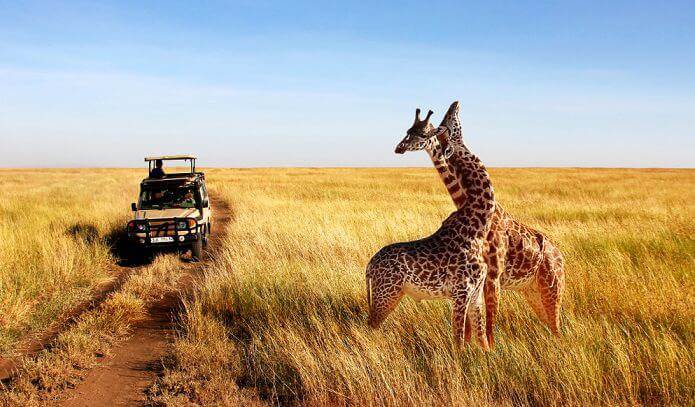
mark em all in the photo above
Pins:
pixel 158 171
pixel 188 200
pixel 157 198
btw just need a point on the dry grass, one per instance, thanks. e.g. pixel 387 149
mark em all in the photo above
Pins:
pixel 283 311
pixel 57 247
pixel 44 378
pixel 280 315
pixel 55 234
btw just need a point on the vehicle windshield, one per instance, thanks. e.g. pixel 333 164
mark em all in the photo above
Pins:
pixel 169 197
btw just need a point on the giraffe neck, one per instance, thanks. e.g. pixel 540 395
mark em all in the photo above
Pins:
pixel 479 196
pixel 452 184
pixel 455 182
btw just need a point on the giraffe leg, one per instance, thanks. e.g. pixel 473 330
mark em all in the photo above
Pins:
pixel 491 292
pixel 458 317
pixel 467 331
pixel 533 297
pixel 468 304
pixel 383 299
pixel 551 284
pixel 476 314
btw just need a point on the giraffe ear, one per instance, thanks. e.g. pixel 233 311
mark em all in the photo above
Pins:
pixel 448 151
pixel 442 134
pixel 438 132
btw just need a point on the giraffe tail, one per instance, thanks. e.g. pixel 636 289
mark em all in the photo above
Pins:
pixel 369 292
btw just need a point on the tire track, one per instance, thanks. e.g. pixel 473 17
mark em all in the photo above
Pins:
pixel 33 343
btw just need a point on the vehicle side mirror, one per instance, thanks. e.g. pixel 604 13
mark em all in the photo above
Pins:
pixel 206 203
pixel 133 207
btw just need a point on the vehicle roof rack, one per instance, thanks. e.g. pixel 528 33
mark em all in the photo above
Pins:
pixel 186 157
pixel 171 157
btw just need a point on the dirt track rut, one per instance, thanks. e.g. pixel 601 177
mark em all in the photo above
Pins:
pixel 32 344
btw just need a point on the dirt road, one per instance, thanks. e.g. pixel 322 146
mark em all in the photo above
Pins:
pixel 32 344
pixel 123 378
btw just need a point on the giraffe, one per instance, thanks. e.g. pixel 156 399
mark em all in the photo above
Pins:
pixel 518 257
pixel 447 264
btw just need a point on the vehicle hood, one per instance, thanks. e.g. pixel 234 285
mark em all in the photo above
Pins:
pixel 167 213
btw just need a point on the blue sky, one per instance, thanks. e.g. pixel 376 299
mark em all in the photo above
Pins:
pixel 265 83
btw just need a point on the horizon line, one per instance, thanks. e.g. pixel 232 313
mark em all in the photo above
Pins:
pixel 350 167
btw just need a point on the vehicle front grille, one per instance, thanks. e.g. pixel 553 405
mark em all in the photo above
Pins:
pixel 164 228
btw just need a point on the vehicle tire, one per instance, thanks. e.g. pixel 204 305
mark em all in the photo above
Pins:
pixel 197 249
pixel 147 255
pixel 136 255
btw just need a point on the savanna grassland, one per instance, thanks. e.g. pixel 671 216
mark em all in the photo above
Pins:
pixel 282 312
pixel 61 240
pixel 279 314
pixel 56 229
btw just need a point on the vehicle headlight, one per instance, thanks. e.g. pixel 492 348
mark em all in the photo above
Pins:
pixel 134 226
pixel 185 224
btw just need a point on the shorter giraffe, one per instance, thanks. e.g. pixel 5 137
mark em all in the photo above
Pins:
pixel 518 257
pixel 447 264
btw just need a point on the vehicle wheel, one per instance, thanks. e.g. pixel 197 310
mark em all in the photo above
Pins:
pixel 197 249
pixel 137 255
pixel 140 255
pixel 128 253
pixel 147 255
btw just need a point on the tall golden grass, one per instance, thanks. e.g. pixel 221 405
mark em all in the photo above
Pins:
pixel 280 315
pixel 281 312
pixel 49 376
pixel 54 241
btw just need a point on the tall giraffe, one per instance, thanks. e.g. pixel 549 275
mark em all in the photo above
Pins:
pixel 447 264
pixel 518 257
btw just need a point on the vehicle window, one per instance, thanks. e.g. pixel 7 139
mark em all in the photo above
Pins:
pixel 181 197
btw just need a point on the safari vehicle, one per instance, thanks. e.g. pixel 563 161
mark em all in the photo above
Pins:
pixel 173 210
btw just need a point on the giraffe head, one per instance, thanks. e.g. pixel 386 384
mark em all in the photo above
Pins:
pixel 419 136
pixel 450 133
pixel 441 140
